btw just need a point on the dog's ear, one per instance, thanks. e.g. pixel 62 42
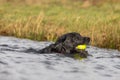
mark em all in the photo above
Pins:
pixel 60 39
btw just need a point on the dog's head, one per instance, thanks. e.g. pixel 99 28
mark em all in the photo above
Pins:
pixel 73 39
pixel 68 42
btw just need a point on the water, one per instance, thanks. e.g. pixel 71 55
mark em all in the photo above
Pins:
pixel 17 65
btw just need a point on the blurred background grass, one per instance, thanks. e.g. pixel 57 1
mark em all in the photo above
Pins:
pixel 48 19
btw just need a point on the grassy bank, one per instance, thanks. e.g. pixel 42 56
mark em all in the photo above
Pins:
pixel 48 21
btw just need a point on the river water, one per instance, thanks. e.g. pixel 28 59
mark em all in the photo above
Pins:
pixel 15 64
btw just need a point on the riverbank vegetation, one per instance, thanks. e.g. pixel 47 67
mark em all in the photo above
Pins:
pixel 47 20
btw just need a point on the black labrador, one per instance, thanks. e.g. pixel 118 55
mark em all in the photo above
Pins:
pixel 66 44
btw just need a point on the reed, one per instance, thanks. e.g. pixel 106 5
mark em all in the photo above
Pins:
pixel 31 28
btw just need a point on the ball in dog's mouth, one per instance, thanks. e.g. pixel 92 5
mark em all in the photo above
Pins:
pixel 81 47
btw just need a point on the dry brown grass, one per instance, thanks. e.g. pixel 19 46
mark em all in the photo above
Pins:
pixel 31 28
pixel 107 36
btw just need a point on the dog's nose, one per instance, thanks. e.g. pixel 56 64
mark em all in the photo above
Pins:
pixel 86 40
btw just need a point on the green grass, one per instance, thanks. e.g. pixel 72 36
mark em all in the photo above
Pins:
pixel 48 21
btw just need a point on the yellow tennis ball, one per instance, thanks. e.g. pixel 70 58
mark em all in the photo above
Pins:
pixel 82 47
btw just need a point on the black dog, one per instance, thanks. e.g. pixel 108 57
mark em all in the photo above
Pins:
pixel 66 44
